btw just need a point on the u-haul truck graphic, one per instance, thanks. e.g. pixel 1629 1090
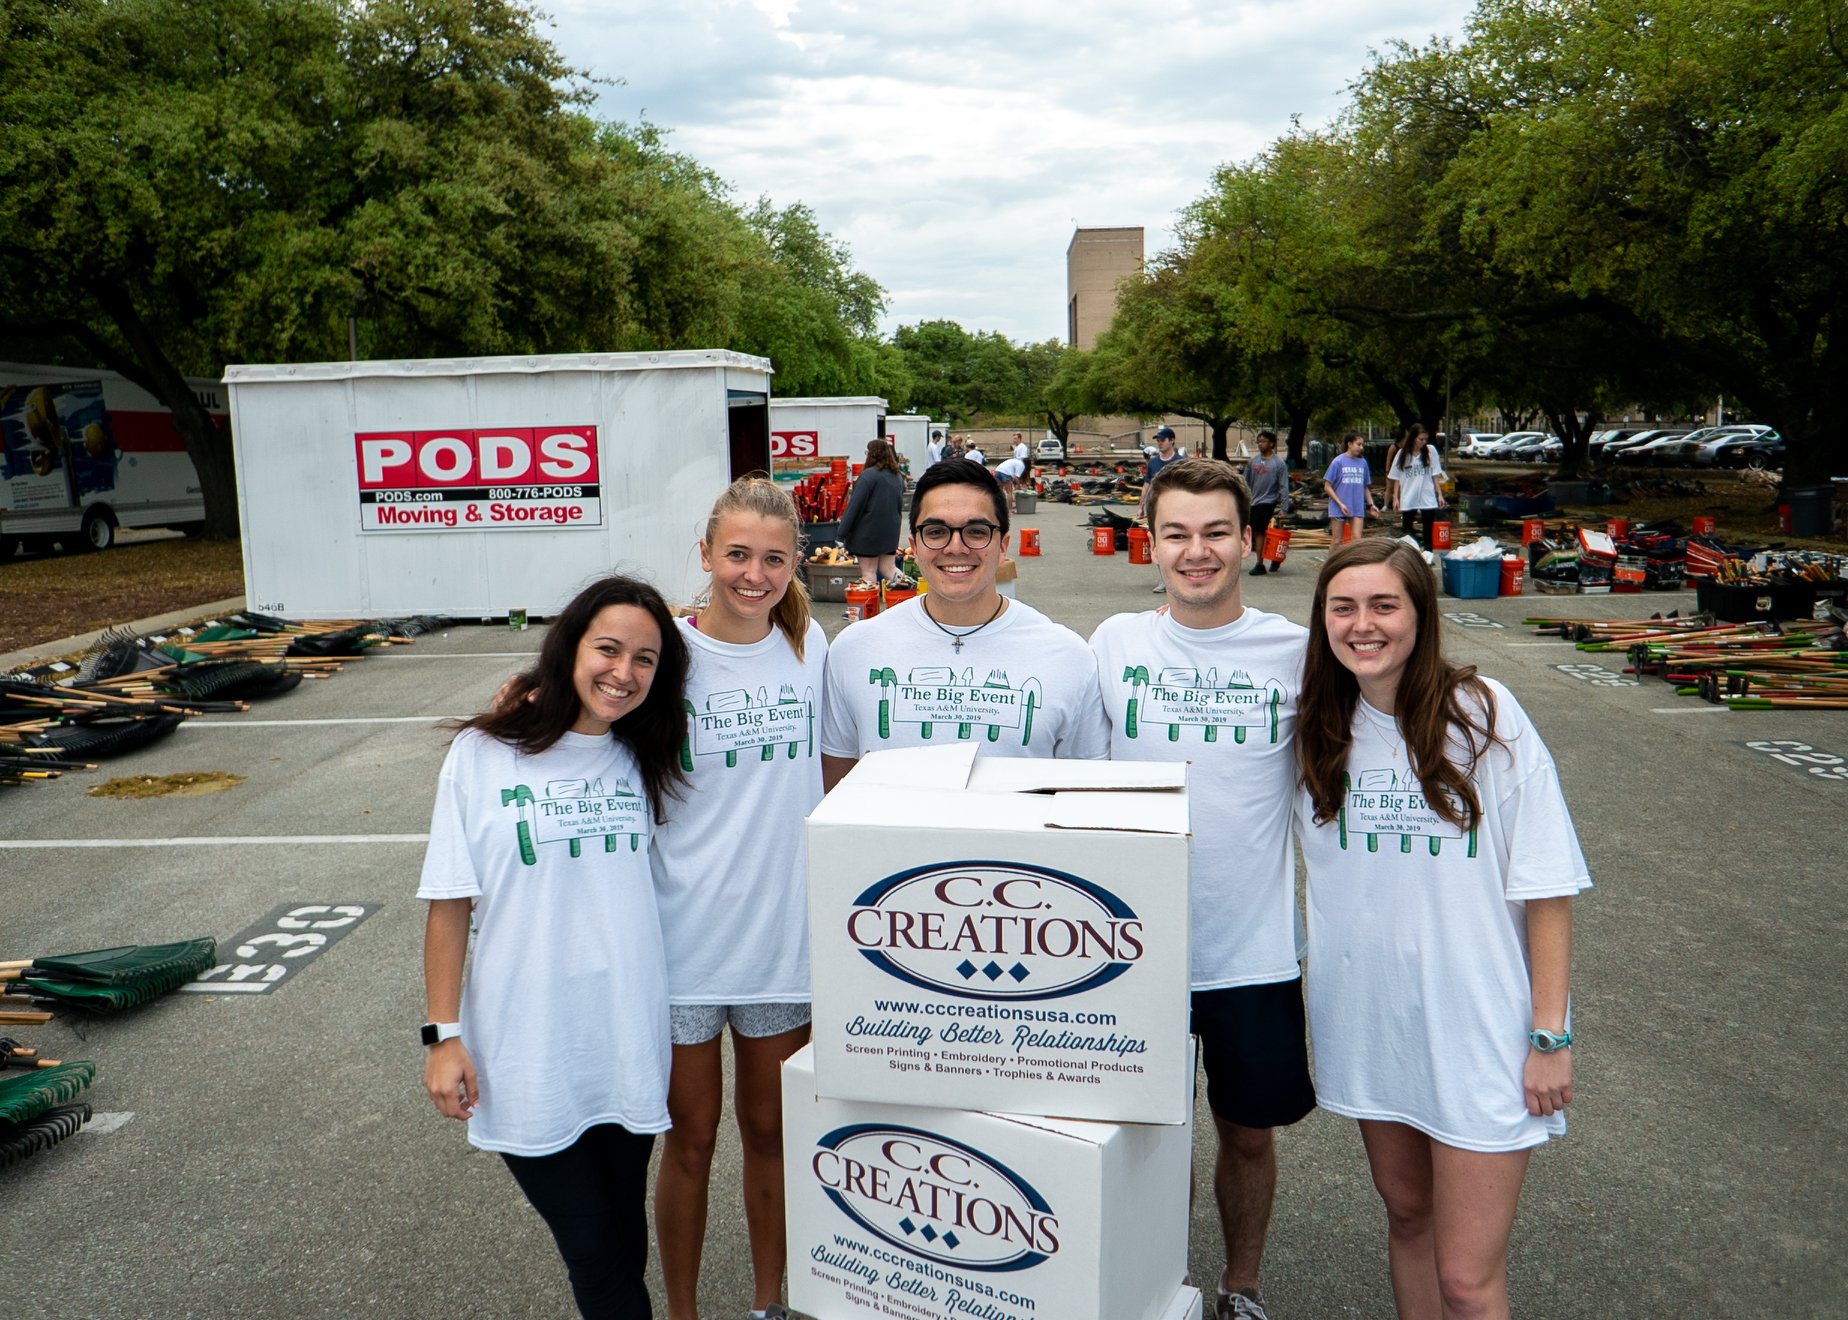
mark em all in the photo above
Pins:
pixel 735 721
pixel 573 810
pixel 1180 698
pixel 936 694
pixel 1385 802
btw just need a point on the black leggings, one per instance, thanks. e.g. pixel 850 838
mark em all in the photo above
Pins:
pixel 1260 523
pixel 1427 516
pixel 593 1195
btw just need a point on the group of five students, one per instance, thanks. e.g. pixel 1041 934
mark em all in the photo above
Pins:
pixel 1440 854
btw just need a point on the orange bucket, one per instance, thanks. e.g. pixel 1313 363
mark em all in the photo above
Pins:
pixel 1276 545
pixel 1532 529
pixel 896 596
pixel 1029 542
pixel 867 598
pixel 1705 526
pixel 1617 528
pixel 1440 535
pixel 1347 529
pixel 1103 540
pixel 1139 547
pixel 1513 574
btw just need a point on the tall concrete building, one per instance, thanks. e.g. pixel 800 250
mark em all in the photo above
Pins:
pixel 1095 261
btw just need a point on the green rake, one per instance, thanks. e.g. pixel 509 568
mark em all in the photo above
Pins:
pixel 109 980
pixel 36 1109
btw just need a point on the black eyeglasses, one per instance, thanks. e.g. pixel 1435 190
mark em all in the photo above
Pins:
pixel 975 535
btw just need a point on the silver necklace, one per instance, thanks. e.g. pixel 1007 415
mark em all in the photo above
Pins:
pixel 956 644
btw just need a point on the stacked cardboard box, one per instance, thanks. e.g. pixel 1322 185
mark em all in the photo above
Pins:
pixel 994 1117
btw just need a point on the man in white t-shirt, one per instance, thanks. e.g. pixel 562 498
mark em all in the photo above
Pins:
pixel 975 455
pixel 962 662
pixel 934 450
pixel 1021 452
pixel 1214 683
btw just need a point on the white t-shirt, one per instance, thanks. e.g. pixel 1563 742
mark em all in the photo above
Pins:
pixel 1022 686
pixel 1417 483
pixel 1223 700
pixel 1419 991
pixel 1011 469
pixel 730 863
pixel 934 451
pixel 1022 453
pixel 565 1008
pixel 974 455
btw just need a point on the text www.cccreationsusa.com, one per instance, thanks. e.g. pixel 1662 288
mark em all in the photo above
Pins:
pixel 996 1012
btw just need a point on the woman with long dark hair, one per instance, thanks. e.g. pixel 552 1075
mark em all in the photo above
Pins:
pixel 731 875
pixel 1415 474
pixel 874 516
pixel 556 1053
pixel 1442 866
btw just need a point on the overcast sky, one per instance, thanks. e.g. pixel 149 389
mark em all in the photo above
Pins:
pixel 954 146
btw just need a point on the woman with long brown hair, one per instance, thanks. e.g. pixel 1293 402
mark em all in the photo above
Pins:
pixel 556 1053
pixel 874 516
pixel 1442 865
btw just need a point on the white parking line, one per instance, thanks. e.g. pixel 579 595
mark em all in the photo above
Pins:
pixel 397 654
pixel 1702 709
pixel 235 723
pixel 211 841
pixel 101 1125
pixel 1557 641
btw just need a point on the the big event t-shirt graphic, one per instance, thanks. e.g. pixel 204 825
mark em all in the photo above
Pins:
pixel 937 697
pixel 569 811
pixel 1391 804
pixel 738 723
pixel 1167 699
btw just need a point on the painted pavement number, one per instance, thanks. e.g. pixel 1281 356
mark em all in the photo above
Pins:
pixel 1465 619
pixel 1801 756
pixel 1596 675
pixel 265 955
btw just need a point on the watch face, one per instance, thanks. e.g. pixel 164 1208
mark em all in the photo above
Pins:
pixel 428 1033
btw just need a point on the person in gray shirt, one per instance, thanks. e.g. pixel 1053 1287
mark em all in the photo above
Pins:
pixel 1268 475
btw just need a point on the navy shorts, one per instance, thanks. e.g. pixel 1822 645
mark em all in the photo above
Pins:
pixel 1254 1042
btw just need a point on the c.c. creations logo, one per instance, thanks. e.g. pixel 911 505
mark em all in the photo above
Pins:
pixel 936 1198
pixel 995 930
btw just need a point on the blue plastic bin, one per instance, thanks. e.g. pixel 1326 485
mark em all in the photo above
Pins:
pixel 1472 579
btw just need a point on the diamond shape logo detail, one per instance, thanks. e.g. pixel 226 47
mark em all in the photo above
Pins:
pixel 907 1226
pixel 1018 971
pixel 950 1240
pixel 967 969
pixel 930 1234
pixel 992 971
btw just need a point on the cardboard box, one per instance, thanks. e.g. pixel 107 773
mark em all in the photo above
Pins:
pixel 1003 934
pixel 898 1210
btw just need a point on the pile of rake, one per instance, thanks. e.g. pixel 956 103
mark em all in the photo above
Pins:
pixel 129 691
pixel 1761 665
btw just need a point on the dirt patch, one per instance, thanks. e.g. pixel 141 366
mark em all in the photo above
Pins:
pixel 191 783
pixel 57 595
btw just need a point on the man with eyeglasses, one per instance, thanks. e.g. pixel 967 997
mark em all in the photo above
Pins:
pixel 963 662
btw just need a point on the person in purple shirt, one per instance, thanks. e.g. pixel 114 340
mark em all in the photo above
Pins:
pixel 1349 484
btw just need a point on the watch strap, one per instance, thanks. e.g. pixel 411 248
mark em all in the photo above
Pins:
pixel 1547 1042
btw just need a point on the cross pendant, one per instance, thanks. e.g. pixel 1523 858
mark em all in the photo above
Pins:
pixel 956 646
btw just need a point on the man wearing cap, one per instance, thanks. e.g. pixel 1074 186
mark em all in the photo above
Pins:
pixel 1164 454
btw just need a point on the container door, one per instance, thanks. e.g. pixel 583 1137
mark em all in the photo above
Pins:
pixel 749 419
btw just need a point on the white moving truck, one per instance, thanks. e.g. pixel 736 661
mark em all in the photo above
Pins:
pixel 84 452
pixel 480 486
pixel 910 434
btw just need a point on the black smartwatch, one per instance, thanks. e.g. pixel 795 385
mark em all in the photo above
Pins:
pixel 435 1032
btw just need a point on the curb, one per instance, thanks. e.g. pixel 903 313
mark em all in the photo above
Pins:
pixel 44 651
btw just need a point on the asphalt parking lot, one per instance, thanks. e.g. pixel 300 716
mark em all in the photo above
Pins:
pixel 269 1152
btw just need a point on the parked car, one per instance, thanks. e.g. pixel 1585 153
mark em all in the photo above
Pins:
pixel 1612 449
pixel 1050 450
pixel 1699 451
pixel 1521 447
pixel 1614 435
pixel 1761 451
pixel 1651 451
pixel 1473 443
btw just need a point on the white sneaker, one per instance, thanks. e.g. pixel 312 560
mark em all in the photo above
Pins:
pixel 1241 1305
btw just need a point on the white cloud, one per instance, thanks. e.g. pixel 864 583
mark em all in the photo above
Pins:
pixel 954 145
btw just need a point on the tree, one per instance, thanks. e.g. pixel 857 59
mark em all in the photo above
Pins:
pixel 199 182
pixel 1703 149
pixel 957 376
